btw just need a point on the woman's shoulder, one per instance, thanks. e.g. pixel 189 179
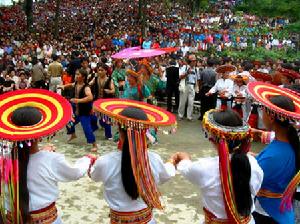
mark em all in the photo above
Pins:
pixel 110 157
pixel 254 163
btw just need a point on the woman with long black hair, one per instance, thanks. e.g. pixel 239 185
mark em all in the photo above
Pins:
pixel 230 181
pixel 280 160
pixel 29 174
pixel 131 175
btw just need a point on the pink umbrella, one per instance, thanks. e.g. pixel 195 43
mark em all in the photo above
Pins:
pixel 131 49
pixel 142 53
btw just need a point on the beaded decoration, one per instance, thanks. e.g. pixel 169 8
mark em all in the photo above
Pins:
pixel 137 132
pixel 222 135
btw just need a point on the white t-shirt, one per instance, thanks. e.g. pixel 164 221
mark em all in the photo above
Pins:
pixel 45 169
pixel 107 169
pixel 221 85
pixel 204 173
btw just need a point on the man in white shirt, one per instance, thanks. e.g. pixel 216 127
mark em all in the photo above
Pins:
pixel 224 88
pixel 188 81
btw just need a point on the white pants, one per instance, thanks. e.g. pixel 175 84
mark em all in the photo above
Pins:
pixel 260 123
pixel 188 97
pixel 54 82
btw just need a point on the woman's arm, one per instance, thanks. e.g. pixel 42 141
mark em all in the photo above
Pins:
pixel 62 171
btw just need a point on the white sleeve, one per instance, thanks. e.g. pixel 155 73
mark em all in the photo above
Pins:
pixel 230 89
pixel 98 171
pixel 191 171
pixel 163 170
pixel 182 70
pixel 214 88
pixel 63 172
pixel 257 175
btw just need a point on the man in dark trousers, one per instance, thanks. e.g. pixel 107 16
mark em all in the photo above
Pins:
pixel 208 78
pixel 172 73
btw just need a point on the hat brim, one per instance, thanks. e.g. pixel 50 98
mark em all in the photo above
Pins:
pixel 56 113
pixel 262 76
pixel 113 107
pixel 289 73
pixel 225 68
pixel 262 92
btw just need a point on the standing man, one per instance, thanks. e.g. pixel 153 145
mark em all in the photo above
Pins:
pixel 206 82
pixel 223 87
pixel 38 76
pixel 188 75
pixel 82 109
pixel 172 73
pixel 55 71
pixel 74 64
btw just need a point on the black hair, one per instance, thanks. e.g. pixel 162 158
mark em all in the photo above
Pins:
pixel 294 87
pixel 104 60
pixel 84 73
pixel 287 65
pixel 210 62
pixel 102 65
pixel 34 60
pixel 54 57
pixel 240 165
pixel 24 116
pixel 287 104
pixel 128 179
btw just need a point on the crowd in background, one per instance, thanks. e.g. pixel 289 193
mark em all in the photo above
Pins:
pixel 91 31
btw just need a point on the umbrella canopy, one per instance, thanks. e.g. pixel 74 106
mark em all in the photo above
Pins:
pixel 137 53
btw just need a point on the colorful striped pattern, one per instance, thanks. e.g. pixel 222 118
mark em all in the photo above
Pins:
pixel 56 113
pixel 210 218
pixel 137 217
pixel 46 215
pixel 286 202
pixel 141 168
pixel 227 185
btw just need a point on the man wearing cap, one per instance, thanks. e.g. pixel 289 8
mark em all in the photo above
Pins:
pixel 188 75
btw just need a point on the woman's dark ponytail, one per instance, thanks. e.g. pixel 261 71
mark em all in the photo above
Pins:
pixel 288 104
pixel 23 159
pixel 240 165
pixel 128 179
pixel 241 174
pixel 294 142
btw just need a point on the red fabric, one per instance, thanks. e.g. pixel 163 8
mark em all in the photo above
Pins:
pixel 253 120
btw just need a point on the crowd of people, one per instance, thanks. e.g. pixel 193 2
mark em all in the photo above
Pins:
pixel 239 100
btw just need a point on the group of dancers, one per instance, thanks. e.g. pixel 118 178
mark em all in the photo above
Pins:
pixel 236 186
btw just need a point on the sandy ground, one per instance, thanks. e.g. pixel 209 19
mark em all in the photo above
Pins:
pixel 82 202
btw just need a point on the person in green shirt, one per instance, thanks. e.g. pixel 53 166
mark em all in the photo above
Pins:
pixel 118 77
pixel 152 81
pixel 135 89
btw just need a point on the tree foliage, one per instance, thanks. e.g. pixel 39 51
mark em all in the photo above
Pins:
pixel 257 54
pixel 28 8
pixel 272 8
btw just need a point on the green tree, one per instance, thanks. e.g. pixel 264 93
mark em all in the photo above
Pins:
pixel 28 8
pixel 56 19
pixel 142 14
pixel 272 8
